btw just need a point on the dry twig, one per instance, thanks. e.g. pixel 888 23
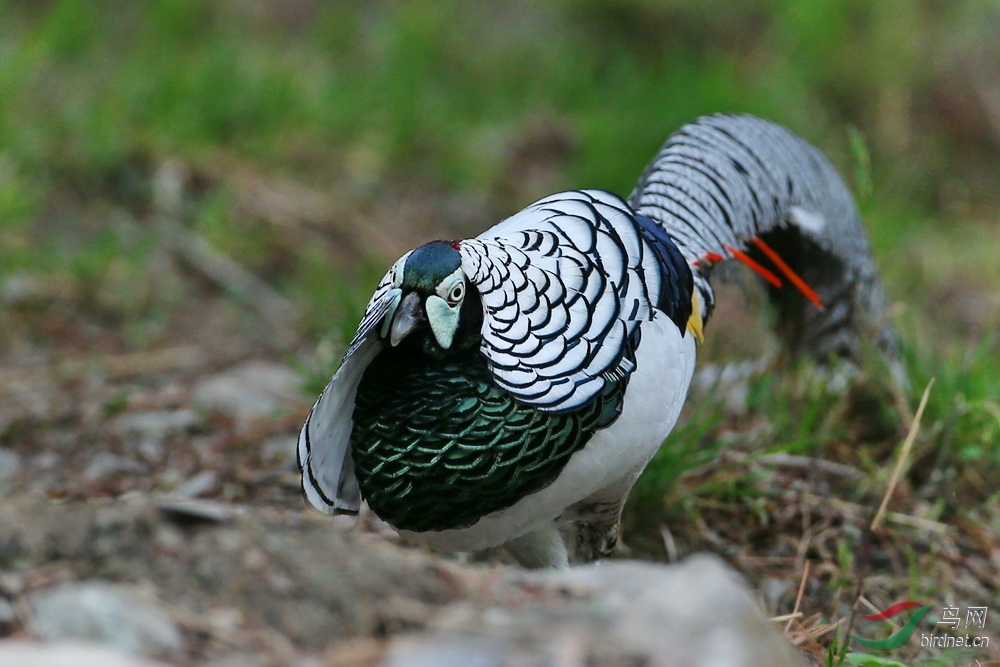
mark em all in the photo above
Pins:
pixel 904 455
pixel 798 597
pixel 783 460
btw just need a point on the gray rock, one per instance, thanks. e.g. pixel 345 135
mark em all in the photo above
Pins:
pixel 23 289
pixel 156 425
pixel 10 466
pixel 246 659
pixel 152 451
pixel 45 461
pixel 252 390
pixel 66 654
pixel 104 613
pixel 461 652
pixel 475 652
pixel 201 484
pixel 8 616
pixel 697 613
pixel 10 463
pixel 198 509
pixel 106 464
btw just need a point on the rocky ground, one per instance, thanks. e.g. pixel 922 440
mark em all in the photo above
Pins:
pixel 150 513
pixel 168 526
pixel 213 584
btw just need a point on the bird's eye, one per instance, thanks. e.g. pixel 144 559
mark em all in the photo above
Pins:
pixel 456 294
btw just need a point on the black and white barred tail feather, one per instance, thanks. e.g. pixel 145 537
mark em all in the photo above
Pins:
pixel 722 184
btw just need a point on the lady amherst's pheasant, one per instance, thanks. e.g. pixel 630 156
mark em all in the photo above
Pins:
pixel 509 389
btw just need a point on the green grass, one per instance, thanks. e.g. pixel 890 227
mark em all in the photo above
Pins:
pixel 441 88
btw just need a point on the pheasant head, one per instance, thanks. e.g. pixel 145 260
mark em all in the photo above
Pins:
pixel 431 305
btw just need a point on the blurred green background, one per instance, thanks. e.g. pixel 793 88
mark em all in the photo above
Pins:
pixel 236 174
pixel 443 90
pixel 474 98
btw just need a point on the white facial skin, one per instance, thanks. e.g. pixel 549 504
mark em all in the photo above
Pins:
pixel 443 308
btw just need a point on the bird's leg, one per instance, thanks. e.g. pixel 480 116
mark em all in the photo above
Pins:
pixel 591 527
pixel 542 547
pixel 595 536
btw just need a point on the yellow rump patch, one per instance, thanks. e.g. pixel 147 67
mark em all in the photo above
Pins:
pixel 695 321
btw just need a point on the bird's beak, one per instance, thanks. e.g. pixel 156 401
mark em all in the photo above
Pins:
pixel 408 317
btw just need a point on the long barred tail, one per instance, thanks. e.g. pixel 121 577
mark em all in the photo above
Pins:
pixel 738 187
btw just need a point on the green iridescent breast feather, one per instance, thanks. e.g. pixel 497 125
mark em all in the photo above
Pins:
pixel 436 444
